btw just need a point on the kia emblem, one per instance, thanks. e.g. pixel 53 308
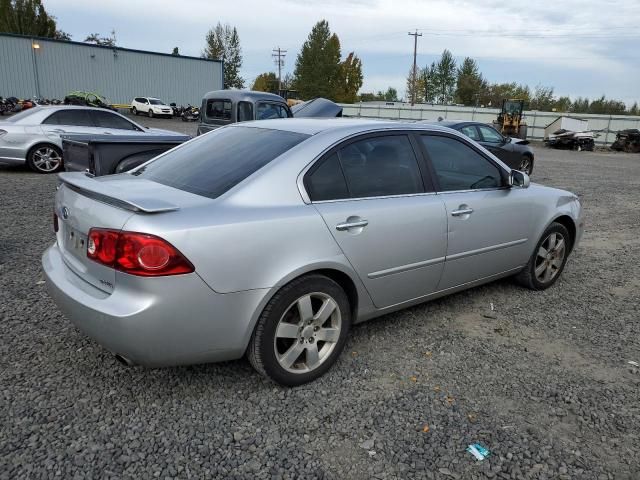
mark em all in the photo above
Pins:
pixel 65 212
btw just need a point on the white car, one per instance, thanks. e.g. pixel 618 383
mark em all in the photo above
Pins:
pixel 153 107
pixel 33 136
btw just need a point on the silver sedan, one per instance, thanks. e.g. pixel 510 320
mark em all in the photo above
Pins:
pixel 33 136
pixel 272 238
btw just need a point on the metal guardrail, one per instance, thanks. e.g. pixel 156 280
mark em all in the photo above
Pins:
pixel 605 125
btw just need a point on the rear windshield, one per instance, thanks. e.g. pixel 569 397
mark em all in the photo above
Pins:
pixel 213 163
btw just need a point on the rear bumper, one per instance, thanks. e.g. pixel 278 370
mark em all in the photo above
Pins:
pixel 164 321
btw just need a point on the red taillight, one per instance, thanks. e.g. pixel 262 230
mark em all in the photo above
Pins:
pixel 136 253
pixel 55 222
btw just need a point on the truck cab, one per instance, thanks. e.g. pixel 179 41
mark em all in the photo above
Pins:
pixel 222 107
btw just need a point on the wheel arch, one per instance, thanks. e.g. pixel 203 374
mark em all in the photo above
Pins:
pixel 348 280
pixel 569 223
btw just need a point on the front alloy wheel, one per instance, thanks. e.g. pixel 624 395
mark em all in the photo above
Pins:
pixel 301 331
pixel 150 113
pixel 45 159
pixel 526 164
pixel 548 259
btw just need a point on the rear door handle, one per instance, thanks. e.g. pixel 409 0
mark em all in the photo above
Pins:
pixel 462 211
pixel 347 225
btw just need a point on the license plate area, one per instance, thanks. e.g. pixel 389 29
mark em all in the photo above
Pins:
pixel 75 242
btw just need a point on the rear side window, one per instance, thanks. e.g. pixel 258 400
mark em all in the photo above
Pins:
pixel 245 111
pixel 111 120
pixel 219 109
pixel 70 117
pixel 327 181
pixel 212 164
pixel 372 167
pixel 471 132
pixel 458 166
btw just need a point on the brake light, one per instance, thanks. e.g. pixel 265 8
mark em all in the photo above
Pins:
pixel 136 253
pixel 55 222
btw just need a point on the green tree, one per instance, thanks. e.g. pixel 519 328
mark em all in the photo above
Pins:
pixel 445 76
pixel 469 84
pixel 429 83
pixel 542 99
pixel 562 104
pixel 175 52
pixel 349 79
pixel 223 43
pixel 266 82
pixel 634 109
pixel 416 87
pixel 318 63
pixel 98 40
pixel 580 105
pixel 391 95
pixel 494 93
pixel 29 17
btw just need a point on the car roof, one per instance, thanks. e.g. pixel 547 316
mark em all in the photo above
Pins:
pixel 247 95
pixel 451 123
pixel 312 126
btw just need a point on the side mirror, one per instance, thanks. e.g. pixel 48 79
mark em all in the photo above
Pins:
pixel 519 179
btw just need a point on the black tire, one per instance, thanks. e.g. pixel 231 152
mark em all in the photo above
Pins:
pixel 134 110
pixel 262 347
pixel 32 161
pixel 150 112
pixel 527 277
pixel 526 164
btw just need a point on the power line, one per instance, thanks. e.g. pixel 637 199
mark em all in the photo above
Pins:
pixel 413 80
pixel 278 56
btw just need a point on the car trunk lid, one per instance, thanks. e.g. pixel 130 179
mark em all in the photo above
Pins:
pixel 83 203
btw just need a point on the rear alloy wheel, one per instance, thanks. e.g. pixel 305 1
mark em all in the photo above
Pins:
pixel 526 164
pixel 150 113
pixel 301 331
pixel 134 110
pixel 45 159
pixel 548 259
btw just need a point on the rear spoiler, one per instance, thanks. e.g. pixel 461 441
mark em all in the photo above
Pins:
pixel 98 190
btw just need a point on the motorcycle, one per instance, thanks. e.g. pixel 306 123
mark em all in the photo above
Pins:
pixel 191 114
pixel 177 110
pixel 6 105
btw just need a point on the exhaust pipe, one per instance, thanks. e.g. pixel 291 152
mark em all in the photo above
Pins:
pixel 124 360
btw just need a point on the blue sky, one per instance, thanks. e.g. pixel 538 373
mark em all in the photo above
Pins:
pixel 580 47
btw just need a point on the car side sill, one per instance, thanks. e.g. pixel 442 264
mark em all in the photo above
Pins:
pixel 368 315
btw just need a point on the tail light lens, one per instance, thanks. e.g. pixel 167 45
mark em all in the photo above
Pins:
pixel 136 253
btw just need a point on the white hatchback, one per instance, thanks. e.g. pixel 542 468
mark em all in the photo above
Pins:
pixel 153 107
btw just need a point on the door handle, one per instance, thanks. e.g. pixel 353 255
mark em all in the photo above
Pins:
pixel 462 211
pixel 347 225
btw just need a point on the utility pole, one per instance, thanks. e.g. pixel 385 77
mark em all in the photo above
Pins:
pixel 413 80
pixel 278 55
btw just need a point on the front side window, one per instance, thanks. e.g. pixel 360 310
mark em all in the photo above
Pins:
pixel 77 118
pixel 458 166
pixel 265 111
pixel 219 109
pixel 111 120
pixel 211 164
pixel 245 111
pixel 490 135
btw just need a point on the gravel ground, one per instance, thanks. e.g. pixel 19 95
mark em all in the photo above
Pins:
pixel 543 381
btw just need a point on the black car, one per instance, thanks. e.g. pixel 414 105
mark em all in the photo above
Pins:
pixel 514 152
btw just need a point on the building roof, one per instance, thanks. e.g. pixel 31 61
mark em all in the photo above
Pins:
pixel 120 49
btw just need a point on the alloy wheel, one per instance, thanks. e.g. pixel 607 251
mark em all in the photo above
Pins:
pixel 307 332
pixel 550 257
pixel 47 159
pixel 525 165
